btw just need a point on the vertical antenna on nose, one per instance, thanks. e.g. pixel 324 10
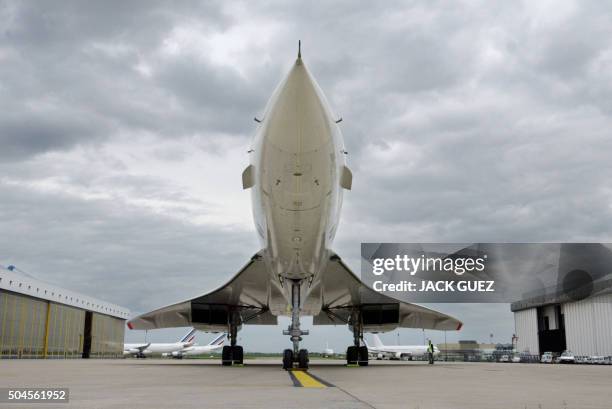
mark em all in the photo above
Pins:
pixel 299 48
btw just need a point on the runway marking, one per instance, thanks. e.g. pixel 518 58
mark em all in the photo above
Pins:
pixel 304 379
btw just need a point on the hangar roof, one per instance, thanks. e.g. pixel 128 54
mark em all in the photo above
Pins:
pixel 14 281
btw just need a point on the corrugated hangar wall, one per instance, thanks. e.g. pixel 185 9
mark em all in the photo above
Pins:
pixel 526 327
pixel 41 320
pixel 32 328
pixel 588 326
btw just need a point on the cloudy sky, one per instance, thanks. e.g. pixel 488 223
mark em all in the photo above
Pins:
pixel 124 128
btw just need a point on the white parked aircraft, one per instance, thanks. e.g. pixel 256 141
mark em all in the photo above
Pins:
pixel 297 174
pixel 141 350
pixel 213 346
pixel 328 352
pixel 380 351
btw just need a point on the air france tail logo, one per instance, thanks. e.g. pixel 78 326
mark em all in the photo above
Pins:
pixel 190 336
pixel 219 340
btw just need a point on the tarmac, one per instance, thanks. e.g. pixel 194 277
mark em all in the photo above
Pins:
pixel 261 383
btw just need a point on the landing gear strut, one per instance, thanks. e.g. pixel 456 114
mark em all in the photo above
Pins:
pixel 357 354
pixel 296 355
pixel 232 354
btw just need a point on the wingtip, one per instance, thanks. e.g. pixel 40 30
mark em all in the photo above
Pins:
pixel 299 49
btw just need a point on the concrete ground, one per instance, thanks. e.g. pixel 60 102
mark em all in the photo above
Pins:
pixel 157 383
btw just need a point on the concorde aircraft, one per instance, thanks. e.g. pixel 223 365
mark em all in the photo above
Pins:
pixel 144 349
pixel 297 174
pixel 381 351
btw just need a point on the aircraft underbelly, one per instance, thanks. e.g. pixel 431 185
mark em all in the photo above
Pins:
pixel 297 198
pixel 298 201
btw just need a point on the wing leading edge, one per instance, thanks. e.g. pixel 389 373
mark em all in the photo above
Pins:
pixel 244 300
pixel 247 297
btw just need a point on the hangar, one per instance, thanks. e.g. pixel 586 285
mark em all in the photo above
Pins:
pixel 583 327
pixel 40 320
pixel 568 305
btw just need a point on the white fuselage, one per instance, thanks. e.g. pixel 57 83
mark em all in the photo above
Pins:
pixel 297 156
pixel 133 349
pixel 198 350
pixel 400 351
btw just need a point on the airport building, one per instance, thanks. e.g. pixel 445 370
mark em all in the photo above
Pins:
pixel 39 320
pixel 583 327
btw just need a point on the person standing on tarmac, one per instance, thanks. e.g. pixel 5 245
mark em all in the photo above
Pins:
pixel 430 352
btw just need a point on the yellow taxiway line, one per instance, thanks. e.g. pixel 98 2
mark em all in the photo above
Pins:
pixel 306 380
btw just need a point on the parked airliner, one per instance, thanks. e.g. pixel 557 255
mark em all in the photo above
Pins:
pixel 297 175
pixel 328 352
pixel 404 352
pixel 143 349
pixel 213 346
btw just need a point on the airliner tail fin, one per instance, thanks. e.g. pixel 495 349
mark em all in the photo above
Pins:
pixel 218 340
pixel 190 336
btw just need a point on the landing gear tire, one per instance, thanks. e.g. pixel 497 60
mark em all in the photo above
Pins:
pixel 352 355
pixel 237 355
pixel 287 359
pixel 303 359
pixel 363 356
pixel 226 356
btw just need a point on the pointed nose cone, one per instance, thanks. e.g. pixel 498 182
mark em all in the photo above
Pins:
pixel 298 117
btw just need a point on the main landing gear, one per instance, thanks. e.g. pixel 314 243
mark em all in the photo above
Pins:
pixel 357 354
pixel 232 354
pixel 296 355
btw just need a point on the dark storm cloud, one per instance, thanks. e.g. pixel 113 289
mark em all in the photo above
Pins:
pixel 32 134
pixel 463 122
pixel 116 252
pixel 69 77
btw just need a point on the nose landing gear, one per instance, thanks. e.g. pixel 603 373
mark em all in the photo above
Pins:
pixel 296 355
pixel 289 358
